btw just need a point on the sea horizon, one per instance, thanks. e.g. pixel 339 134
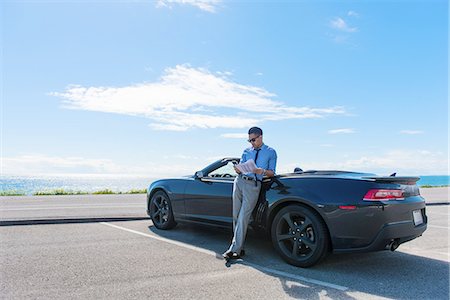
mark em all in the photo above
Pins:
pixel 117 183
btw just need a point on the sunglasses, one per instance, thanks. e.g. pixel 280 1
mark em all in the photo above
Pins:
pixel 253 139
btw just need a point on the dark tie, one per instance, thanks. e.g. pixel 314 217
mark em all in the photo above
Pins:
pixel 256 156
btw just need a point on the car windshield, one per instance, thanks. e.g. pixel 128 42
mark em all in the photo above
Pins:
pixel 224 171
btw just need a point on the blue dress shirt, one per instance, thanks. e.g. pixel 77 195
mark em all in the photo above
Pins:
pixel 267 159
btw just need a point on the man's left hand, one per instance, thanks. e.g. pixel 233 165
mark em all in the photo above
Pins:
pixel 259 171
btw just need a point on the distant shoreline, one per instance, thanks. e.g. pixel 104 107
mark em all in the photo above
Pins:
pixel 62 192
pixel 41 185
pixel 432 196
pixel 427 186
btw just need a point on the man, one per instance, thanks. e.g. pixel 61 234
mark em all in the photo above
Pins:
pixel 247 186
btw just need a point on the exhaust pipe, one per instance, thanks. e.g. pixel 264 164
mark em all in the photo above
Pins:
pixel 393 245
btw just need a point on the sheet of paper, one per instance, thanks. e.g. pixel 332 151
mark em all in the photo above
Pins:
pixel 247 167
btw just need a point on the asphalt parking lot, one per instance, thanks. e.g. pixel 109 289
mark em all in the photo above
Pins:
pixel 112 258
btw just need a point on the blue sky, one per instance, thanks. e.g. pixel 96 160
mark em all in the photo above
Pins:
pixel 161 88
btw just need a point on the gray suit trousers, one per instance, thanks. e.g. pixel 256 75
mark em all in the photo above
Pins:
pixel 245 197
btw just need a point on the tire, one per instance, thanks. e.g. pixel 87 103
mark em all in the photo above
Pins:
pixel 161 211
pixel 299 236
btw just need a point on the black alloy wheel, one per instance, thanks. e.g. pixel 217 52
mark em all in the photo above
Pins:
pixel 299 236
pixel 161 211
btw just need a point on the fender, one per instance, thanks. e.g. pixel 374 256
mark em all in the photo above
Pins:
pixel 174 188
pixel 279 204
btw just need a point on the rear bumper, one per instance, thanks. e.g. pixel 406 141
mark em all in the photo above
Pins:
pixel 400 232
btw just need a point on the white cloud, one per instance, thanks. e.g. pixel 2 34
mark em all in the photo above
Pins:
pixel 404 162
pixel 187 97
pixel 235 135
pixel 352 13
pixel 341 131
pixel 181 156
pixel 42 165
pixel 206 5
pixel 411 132
pixel 225 73
pixel 339 24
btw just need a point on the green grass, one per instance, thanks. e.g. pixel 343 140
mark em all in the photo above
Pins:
pixel 56 192
pixel 12 193
pixel 104 192
pixel 432 186
pixel 134 191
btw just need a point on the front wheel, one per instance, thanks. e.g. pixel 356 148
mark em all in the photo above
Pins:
pixel 299 236
pixel 161 211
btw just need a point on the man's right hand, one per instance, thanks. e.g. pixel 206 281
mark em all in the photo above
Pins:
pixel 237 170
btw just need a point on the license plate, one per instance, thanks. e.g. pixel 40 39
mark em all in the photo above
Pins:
pixel 417 216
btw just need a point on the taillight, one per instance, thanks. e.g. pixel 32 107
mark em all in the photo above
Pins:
pixel 381 194
pixel 347 207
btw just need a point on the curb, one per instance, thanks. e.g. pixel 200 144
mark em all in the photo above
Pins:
pixel 68 221
pixel 437 203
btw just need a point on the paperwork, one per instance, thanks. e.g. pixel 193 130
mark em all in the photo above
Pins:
pixel 247 167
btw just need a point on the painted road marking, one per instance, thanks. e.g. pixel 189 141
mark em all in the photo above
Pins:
pixel 73 206
pixel 212 253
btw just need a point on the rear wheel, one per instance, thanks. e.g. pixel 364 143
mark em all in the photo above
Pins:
pixel 299 236
pixel 161 211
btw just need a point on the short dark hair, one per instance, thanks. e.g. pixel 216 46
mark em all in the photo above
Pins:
pixel 255 130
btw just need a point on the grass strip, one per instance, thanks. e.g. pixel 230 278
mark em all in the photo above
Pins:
pixel 12 193
pixel 427 186
pixel 57 192
pixel 104 192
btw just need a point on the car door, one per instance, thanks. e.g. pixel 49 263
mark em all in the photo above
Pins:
pixel 209 198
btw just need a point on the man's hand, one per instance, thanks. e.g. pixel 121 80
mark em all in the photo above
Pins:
pixel 237 170
pixel 259 171
pixel 268 173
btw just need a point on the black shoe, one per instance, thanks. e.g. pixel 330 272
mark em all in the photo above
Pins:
pixel 231 255
pixel 227 255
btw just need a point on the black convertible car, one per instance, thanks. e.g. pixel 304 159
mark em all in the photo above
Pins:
pixel 307 214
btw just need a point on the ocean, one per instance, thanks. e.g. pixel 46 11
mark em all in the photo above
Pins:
pixel 434 180
pixel 31 185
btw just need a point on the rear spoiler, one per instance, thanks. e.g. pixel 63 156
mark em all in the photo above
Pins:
pixel 391 179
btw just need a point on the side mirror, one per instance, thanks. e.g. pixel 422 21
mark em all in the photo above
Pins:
pixel 198 174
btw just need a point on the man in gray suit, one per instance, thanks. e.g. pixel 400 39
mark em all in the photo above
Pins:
pixel 247 186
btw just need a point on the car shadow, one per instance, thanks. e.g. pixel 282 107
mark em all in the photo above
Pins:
pixel 386 274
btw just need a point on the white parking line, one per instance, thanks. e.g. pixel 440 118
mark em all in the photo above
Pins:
pixel 73 206
pixel 209 252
